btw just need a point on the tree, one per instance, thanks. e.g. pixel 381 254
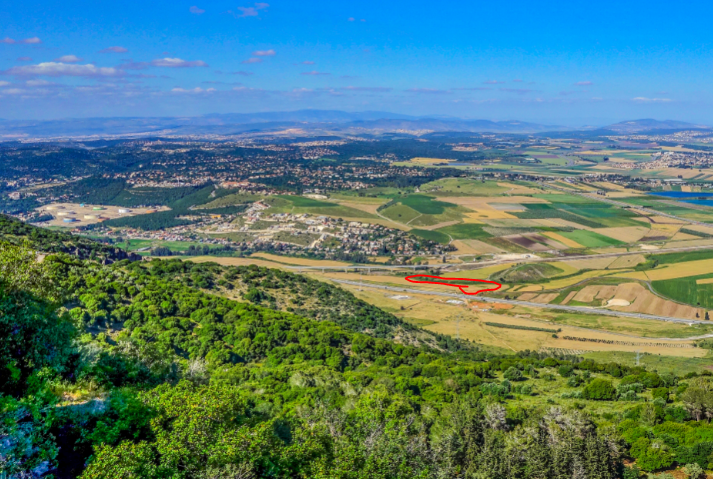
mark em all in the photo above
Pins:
pixel 698 398
pixel 600 390
pixel 513 374
pixel 22 269
pixel 651 455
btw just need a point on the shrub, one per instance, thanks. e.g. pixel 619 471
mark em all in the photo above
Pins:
pixel 694 471
pixel 600 390
pixel 660 393
pixel 566 370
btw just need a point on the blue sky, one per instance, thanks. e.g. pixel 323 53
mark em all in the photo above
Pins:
pixel 560 62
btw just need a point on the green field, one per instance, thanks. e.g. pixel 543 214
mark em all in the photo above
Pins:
pixel 685 290
pixel 231 200
pixel 400 213
pixel 463 187
pixel 590 239
pixel 465 231
pixel 673 258
pixel 303 202
pixel 426 205
pixel 431 235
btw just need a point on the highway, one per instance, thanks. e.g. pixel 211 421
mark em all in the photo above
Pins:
pixel 560 307
pixel 482 264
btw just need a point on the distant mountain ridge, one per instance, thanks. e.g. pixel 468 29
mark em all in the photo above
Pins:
pixel 306 121
pixel 648 124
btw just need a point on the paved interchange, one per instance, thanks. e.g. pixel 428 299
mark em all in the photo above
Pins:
pixel 485 299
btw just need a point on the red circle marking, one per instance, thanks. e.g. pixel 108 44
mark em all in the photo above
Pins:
pixel 461 287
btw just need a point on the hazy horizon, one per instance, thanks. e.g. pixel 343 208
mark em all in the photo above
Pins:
pixel 518 61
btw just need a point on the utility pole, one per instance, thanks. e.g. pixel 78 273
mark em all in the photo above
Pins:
pixel 459 318
pixel 638 355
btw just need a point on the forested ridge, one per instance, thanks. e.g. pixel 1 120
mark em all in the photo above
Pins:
pixel 151 370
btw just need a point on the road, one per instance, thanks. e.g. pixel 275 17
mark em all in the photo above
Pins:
pixel 514 302
pixel 482 264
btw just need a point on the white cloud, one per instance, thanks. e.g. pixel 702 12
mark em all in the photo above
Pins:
pixel 315 73
pixel 57 69
pixel 68 59
pixel 114 50
pixel 27 41
pixel 249 11
pixel 367 88
pixel 4 83
pixel 194 90
pixel 13 91
pixel 584 83
pixel 196 11
pixel 431 91
pixel 264 53
pixel 37 83
pixel 253 60
pixel 177 63
pixel 643 99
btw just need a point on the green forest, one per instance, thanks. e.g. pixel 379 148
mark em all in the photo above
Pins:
pixel 170 369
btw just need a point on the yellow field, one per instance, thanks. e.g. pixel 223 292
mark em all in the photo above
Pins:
pixel 685 173
pixel 566 267
pixel 473 327
pixel 437 315
pixel 697 242
pixel 702 229
pixel 640 300
pixel 565 241
pixel 235 261
pixel 684 237
pixel 628 261
pixel 563 283
pixel 680 270
pixel 430 161
pixel 489 214
pixel 593 263
pixel 297 261
pixel 704 281
pixel 518 189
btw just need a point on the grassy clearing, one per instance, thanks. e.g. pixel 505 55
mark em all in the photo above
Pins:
pixel 528 273
pixel 231 200
pixel 644 328
pixel 653 362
